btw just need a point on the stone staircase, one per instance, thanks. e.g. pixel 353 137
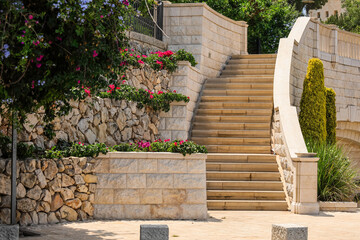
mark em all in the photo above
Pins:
pixel 233 121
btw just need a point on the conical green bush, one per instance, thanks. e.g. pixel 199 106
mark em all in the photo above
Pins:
pixel 330 116
pixel 313 103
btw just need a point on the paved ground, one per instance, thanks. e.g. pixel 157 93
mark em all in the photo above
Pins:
pixel 223 225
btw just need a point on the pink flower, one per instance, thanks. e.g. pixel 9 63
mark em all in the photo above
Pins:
pixel 125 2
pixel 132 50
pixel 159 62
pixel 50 42
pixel 138 56
pixel 22 35
pixel 37 22
pixel 130 54
pixel 140 61
pixel 31 17
pixel 36 43
pixel 38 65
pixel 189 98
pixel 95 54
pixel 59 38
pixel 124 81
pixel 79 82
pixel 77 68
pixel 126 49
pixel 87 91
pixel 175 143
pixel 22 43
pixel 181 142
pixel 151 96
pixel 117 88
pixel 167 140
pixel 160 92
pixel 112 86
pixel 33 84
pixel 79 143
pixel 39 58
pixel 101 16
pixel 174 91
pixel 24 31
pixel 144 56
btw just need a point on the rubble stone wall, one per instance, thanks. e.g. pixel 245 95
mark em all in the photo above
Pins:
pixel 49 191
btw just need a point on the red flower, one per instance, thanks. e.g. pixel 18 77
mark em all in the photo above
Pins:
pixel 144 56
pixel 138 56
pixel 189 98
pixel 77 68
pixel 175 143
pixel 160 92
pixel 39 58
pixel 31 17
pixel 38 65
pixel 141 62
pixel 95 54
pixel 124 81
pixel 151 96
pixel 174 91
pixel 117 88
pixel 112 86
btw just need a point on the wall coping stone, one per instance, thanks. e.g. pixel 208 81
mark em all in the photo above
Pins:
pixel 240 23
pixel 147 39
pixel 338 206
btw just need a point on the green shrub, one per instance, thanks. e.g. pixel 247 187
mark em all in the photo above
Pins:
pixel 23 150
pixel 330 116
pixel 183 55
pixel 313 103
pixel 336 177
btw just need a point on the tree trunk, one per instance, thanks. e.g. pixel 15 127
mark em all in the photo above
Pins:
pixel 13 170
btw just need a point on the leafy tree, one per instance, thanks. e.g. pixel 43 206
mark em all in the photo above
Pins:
pixel 314 4
pixel 268 20
pixel 350 20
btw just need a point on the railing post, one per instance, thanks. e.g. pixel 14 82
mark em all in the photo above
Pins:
pixel 305 182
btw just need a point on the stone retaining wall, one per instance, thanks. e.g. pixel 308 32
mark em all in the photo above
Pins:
pixel 49 191
pixel 151 186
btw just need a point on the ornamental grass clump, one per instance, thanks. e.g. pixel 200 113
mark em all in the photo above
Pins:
pixel 336 177
pixel 312 116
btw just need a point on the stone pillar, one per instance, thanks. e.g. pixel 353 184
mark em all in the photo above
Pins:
pixel 305 182
pixel 154 232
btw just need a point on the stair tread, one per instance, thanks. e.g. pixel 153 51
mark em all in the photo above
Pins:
pixel 244 191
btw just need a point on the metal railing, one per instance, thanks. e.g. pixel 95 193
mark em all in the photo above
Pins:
pixel 145 25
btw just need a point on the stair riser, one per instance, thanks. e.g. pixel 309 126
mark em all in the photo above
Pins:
pixel 241 79
pixel 238 149
pixel 228 126
pixel 244 186
pixel 241 158
pixel 234 112
pixel 255 56
pixel 239 176
pixel 245 196
pixel 224 119
pixel 207 133
pixel 245 206
pixel 258 66
pixel 242 167
pixel 251 61
pixel 236 99
pixel 217 105
pixel 231 141
pixel 269 72
pixel 230 86
pixel 237 93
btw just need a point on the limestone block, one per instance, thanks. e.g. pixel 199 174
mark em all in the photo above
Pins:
pixel 9 232
pixel 154 232
pixel 196 166
pixel 114 211
pixel 150 196
pixel 123 166
pixel 102 166
pixel 136 180
pixel 147 165
pixel 104 196
pixel 89 178
pixel 41 178
pixel 137 211
pixel 289 232
pixel 159 181
pixel 196 196
pixel 111 180
pixel 34 193
pixel 189 180
pixel 126 196
pixel 68 213
pixel 5 185
pixel 172 166
pixel 194 211
pixel 174 196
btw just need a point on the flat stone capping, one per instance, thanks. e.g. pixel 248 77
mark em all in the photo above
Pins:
pixel 154 232
pixel 150 185
pixel 338 206
pixel 9 232
pixel 289 232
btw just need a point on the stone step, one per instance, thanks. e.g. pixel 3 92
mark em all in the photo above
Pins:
pixel 231 141
pixel 242 92
pixel 242 176
pixel 269 205
pixel 250 66
pixel 245 195
pixel 235 112
pixel 229 86
pixel 236 99
pixel 245 185
pixel 230 133
pixel 232 119
pixel 231 126
pixel 240 158
pixel 235 105
pixel 242 167
pixel 254 56
pixel 266 149
pixel 252 61
pixel 242 79
pixel 227 72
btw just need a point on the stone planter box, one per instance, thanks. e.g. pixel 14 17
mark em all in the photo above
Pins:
pixel 133 185
pixel 338 206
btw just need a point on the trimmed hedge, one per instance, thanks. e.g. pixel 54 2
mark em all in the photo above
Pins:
pixel 312 116
pixel 330 116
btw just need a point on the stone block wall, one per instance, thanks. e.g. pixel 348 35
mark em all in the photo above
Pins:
pixel 176 123
pixel 49 191
pixel 151 186
pixel 211 37
pixel 146 44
